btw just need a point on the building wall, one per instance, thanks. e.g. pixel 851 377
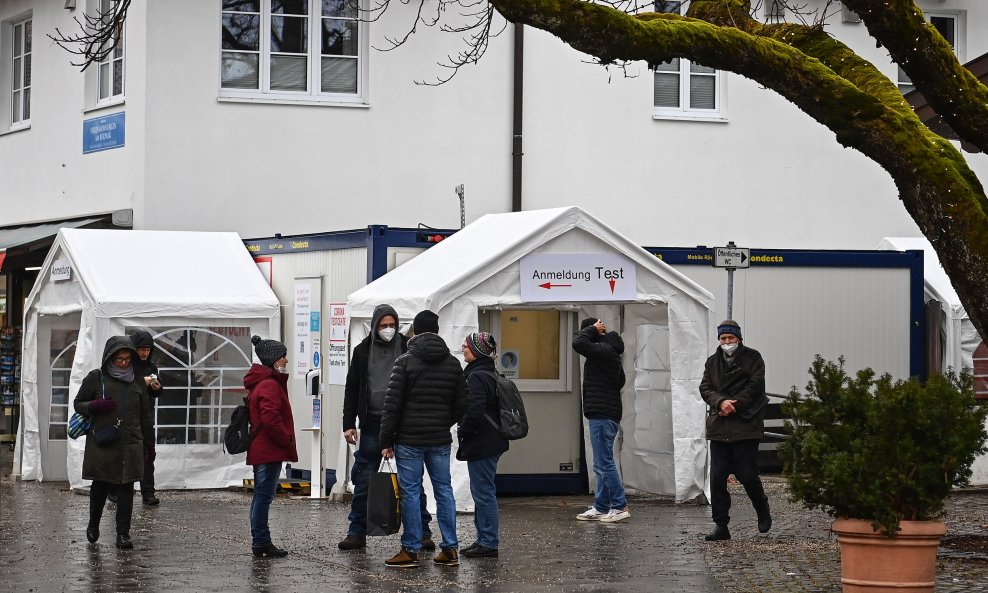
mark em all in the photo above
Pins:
pixel 43 173
pixel 767 177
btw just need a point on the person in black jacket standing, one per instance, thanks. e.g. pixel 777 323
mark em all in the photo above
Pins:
pixel 480 441
pixel 603 378
pixel 733 387
pixel 145 368
pixel 426 397
pixel 366 385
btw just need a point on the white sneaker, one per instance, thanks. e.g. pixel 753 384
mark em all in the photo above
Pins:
pixel 614 515
pixel 591 514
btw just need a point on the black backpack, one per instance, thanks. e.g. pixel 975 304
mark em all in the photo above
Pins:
pixel 514 421
pixel 236 436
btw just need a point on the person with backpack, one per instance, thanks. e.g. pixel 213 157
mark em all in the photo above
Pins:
pixel 603 378
pixel 115 398
pixel 272 430
pixel 480 441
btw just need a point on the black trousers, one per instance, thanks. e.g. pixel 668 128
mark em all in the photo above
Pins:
pixel 125 503
pixel 741 459
pixel 147 484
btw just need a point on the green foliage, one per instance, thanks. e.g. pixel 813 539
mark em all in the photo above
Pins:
pixel 879 449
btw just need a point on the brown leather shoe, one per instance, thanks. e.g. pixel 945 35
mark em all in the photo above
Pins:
pixel 447 558
pixel 403 559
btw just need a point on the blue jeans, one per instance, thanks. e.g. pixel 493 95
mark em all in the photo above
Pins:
pixel 484 492
pixel 367 459
pixel 410 462
pixel 610 489
pixel 265 485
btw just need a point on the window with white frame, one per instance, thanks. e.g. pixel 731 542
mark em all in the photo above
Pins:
pixel 20 73
pixel 110 70
pixel 291 49
pixel 685 89
pixel 949 25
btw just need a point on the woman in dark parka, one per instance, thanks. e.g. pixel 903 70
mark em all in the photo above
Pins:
pixel 115 395
pixel 480 442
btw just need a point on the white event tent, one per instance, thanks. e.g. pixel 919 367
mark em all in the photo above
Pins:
pixel 666 322
pixel 199 294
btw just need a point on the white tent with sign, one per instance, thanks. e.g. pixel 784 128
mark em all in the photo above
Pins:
pixel 199 294
pixel 530 275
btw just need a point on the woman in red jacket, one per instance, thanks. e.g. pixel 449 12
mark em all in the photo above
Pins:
pixel 272 436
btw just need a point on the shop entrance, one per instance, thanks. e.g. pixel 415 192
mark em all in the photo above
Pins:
pixel 534 350
pixel 57 336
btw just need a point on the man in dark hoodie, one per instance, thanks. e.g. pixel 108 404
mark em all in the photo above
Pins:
pixel 366 385
pixel 148 370
pixel 426 396
pixel 603 378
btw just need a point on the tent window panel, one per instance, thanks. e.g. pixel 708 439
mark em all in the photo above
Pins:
pixel 171 436
pixel 534 337
pixel 61 355
pixel 201 370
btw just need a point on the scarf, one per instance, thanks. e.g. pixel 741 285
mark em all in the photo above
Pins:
pixel 126 375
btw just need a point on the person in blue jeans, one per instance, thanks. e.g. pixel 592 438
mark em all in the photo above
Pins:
pixel 272 428
pixel 363 399
pixel 603 378
pixel 426 397
pixel 480 441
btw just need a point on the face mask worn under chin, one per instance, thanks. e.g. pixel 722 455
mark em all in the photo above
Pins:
pixel 387 333
pixel 729 348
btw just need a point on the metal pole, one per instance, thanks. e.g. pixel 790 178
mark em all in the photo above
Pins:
pixel 730 293
pixel 463 208
pixel 730 287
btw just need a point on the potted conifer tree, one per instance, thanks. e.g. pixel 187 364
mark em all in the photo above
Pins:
pixel 881 456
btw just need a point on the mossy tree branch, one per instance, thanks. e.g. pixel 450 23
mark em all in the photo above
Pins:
pixel 823 78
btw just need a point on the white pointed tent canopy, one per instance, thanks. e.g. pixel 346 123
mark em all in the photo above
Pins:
pixel 183 286
pixel 668 330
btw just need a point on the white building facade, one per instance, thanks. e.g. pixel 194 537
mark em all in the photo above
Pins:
pixel 281 116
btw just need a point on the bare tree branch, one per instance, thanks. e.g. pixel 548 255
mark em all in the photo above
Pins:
pixel 98 34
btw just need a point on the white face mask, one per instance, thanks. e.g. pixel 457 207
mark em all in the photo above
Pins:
pixel 283 370
pixel 729 348
pixel 387 333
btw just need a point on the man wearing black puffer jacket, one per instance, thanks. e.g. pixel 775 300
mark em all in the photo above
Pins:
pixel 603 378
pixel 426 397
pixel 366 385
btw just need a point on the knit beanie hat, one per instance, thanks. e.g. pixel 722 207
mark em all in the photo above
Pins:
pixel 729 326
pixel 587 322
pixel 268 351
pixel 482 344
pixel 425 322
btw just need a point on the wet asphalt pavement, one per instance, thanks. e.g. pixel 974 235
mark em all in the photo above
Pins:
pixel 199 541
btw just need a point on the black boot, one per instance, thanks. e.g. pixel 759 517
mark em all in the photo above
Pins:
pixel 123 542
pixel 92 534
pixel 719 533
pixel 269 550
pixel 764 517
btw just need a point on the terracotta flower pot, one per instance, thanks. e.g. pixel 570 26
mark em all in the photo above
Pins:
pixel 872 562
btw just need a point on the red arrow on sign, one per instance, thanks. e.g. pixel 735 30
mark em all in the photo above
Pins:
pixel 548 285
pixel 612 285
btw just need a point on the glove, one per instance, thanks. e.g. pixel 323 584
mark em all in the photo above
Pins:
pixel 102 406
pixel 149 453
